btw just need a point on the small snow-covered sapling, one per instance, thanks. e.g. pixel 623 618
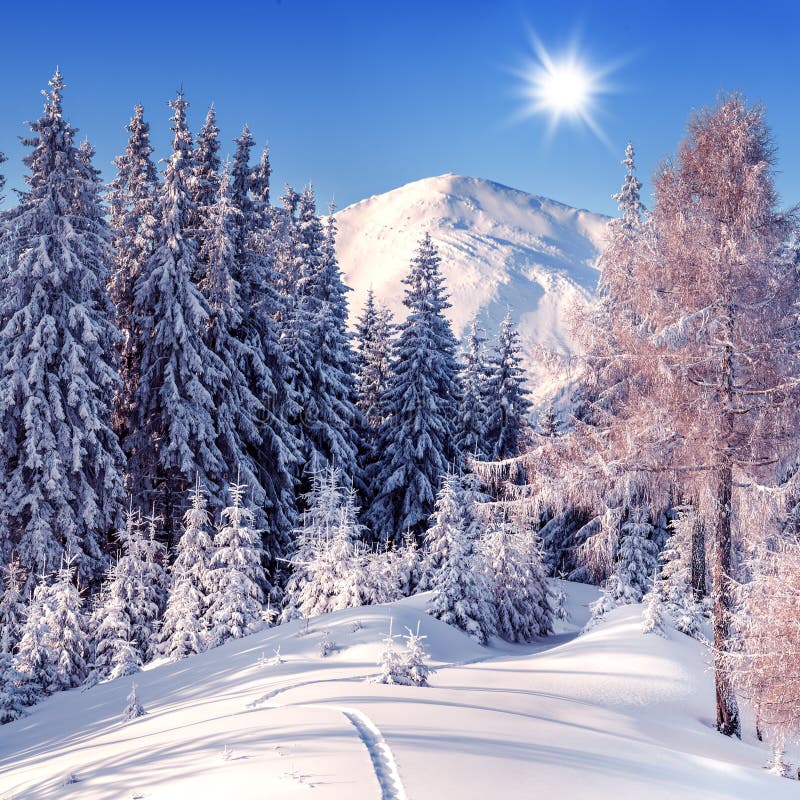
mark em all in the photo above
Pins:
pixel 134 709
pixel 327 645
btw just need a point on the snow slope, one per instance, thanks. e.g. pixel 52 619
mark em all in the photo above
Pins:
pixel 500 248
pixel 607 714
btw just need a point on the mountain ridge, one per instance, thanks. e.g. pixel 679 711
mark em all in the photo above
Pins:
pixel 501 248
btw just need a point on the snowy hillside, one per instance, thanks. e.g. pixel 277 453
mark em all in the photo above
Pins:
pixel 608 714
pixel 500 247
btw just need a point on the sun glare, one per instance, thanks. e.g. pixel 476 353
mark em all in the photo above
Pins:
pixel 562 87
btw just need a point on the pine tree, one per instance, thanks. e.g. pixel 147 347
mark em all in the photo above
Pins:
pixel 182 631
pixel 653 619
pixel 275 450
pixel 461 591
pixel 34 658
pixel 519 587
pixel 473 411
pixel 236 576
pixel 508 407
pixel 134 709
pixel 236 409
pixel 132 208
pixel 373 354
pixel 174 438
pixel 12 607
pixel 66 629
pixel 116 655
pixel 414 659
pixel 417 442
pixel 13 690
pixel 204 180
pixel 61 463
pixel 319 347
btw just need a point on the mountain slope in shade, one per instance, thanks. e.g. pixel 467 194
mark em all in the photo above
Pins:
pixel 500 248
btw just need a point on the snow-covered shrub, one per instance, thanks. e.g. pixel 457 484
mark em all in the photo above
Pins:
pixel 134 709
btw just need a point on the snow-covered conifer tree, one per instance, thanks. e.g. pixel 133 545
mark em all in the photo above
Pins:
pixel 461 591
pixel 473 411
pixel 116 655
pixel 236 409
pixel 373 354
pixel 131 205
pixel 174 437
pixel 507 406
pixel 319 346
pixel 182 630
pixel 61 465
pixel 236 577
pixel 204 180
pixel 417 444
pixel 33 657
pixel 518 583
pixel 134 709
pixel 275 450
pixel 12 607
pixel 66 630
pixel 415 658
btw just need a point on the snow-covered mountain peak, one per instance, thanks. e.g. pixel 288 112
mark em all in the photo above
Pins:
pixel 500 248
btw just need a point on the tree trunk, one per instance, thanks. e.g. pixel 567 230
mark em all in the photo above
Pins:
pixel 727 709
pixel 698 577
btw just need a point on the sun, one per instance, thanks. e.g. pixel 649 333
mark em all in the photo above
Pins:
pixel 563 88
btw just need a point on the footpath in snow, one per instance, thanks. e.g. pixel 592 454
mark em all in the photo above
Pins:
pixel 607 714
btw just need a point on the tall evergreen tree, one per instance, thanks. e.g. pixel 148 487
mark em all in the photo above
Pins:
pixel 508 407
pixel 236 409
pixel 183 631
pixel 461 590
pixel 131 204
pixel 275 449
pixel 319 347
pixel 373 355
pixel 175 437
pixel 473 412
pixel 236 576
pixel 418 441
pixel 61 463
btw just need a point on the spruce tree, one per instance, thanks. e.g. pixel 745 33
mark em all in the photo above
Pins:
pixel 175 437
pixel 236 409
pixel 132 208
pixel 61 463
pixel 508 407
pixel 116 655
pixel 182 631
pixel 417 443
pixel 236 576
pixel 473 412
pixel 12 607
pixel 204 180
pixel 461 590
pixel 319 347
pixel 275 449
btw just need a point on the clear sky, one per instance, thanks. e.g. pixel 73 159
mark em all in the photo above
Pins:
pixel 361 97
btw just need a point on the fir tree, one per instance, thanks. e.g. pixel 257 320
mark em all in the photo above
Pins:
pixel 461 591
pixel 13 691
pixel 519 586
pixel 115 654
pixel 12 607
pixel 508 407
pixel 236 409
pixel 373 354
pixel 236 575
pixel 204 180
pixel 66 630
pixel 473 411
pixel 33 657
pixel 61 462
pixel 131 204
pixel 134 709
pixel 417 443
pixel 182 631
pixel 414 659
pixel 174 438
pixel 319 347
pixel 275 449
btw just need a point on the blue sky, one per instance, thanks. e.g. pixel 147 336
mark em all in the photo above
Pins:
pixel 361 97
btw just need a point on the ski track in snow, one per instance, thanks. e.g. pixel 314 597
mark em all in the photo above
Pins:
pixel 383 763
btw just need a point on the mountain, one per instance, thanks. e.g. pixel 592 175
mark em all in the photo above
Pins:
pixel 500 247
